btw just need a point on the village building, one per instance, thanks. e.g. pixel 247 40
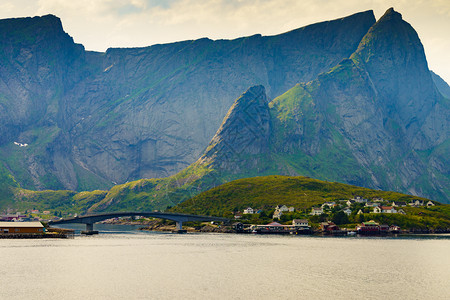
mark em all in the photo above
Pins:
pixel 398 204
pixel 350 202
pixel 347 211
pixel 359 199
pixel 13 217
pixel 21 228
pixel 316 211
pixel 300 223
pixel 291 209
pixel 329 204
pixel 277 214
pixel 430 203
pixel 377 199
pixel 377 210
pixel 359 212
pixel 248 211
pixel 329 227
pixel 401 211
pixel 371 204
pixel 388 210
pixel 282 208
pixel 273 227
pixel 238 215
pixel 416 203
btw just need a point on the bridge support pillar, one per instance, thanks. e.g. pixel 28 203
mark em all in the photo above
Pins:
pixel 179 227
pixel 89 229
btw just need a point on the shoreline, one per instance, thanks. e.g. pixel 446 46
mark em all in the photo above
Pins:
pixel 157 225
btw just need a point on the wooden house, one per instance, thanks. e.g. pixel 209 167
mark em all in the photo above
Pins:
pixel 21 228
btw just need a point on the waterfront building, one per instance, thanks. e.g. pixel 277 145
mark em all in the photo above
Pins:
pixel 300 223
pixel 21 228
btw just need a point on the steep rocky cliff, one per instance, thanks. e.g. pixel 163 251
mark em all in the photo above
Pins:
pixel 94 119
pixel 375 120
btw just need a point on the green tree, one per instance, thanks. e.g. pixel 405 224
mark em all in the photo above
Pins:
pixel 340 218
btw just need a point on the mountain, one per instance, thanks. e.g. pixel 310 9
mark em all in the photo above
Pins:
pixel 441 85
pixel 81 120
pixel 375 119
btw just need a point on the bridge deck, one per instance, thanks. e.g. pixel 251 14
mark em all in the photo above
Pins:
pixel 89 220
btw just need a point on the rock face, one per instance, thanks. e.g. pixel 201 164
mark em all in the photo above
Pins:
pixel 375 119
pixel 93 119
pixel 245 132
pixel 441 85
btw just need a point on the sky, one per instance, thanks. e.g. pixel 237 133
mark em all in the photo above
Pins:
pixel 101 24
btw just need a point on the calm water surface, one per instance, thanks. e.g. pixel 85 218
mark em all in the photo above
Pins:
pixel 137 265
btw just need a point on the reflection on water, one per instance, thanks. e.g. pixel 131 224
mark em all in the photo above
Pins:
pixel 125 263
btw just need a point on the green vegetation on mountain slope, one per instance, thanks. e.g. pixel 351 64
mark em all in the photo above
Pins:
pixel 270 191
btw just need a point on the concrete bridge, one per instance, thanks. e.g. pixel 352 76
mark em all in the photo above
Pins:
pixel 89 220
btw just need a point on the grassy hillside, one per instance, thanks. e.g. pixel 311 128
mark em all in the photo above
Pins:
pixel 269 191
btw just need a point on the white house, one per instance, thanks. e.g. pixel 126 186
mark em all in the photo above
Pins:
pixel 359 199
pixel 300 222
pixel 376 210
pixel 315 211
pixel 248 211
pixel 347 211
pixel 277 214
pixel 291 209
pixel 329 204
pixel 388 210
pixel 282 208
pixel 401 211
pixel 350 202
pixel 416 203
pixel 430 203
pixel 398 204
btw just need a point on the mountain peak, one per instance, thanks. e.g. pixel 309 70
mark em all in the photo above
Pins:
pixel 245 130
pixel 392 14
pixel 394 57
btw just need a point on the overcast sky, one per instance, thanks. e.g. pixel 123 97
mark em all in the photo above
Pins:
pixel 100 24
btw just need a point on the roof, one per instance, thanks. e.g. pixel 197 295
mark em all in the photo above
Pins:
pixel 300 220
pixel 274 224
pixel 371 222
pixel 21 224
